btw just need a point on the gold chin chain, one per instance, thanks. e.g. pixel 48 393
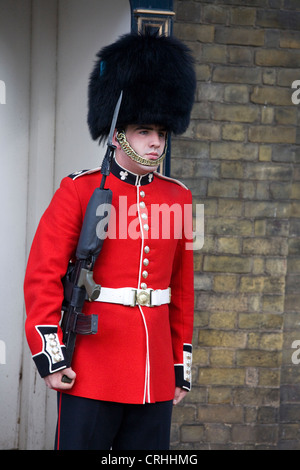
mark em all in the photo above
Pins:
pixel 121 138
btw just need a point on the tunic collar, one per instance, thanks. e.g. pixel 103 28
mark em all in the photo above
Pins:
pixel 129 177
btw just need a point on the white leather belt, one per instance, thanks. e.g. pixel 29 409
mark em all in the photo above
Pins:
pixel 132 297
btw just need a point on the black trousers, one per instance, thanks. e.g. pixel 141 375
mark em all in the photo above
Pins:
pixel 85 424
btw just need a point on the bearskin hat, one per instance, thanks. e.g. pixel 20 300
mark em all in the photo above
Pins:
pixel 156 74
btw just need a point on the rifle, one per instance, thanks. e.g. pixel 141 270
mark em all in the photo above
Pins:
pixel 78 282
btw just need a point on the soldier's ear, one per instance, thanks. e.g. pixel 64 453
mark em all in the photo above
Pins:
pixel 114 140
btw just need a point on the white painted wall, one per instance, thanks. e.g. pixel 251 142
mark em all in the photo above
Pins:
pixel 47 49
pixel 14 132
pixel 78 45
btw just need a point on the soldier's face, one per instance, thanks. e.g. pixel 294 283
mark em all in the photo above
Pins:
pixel 148 141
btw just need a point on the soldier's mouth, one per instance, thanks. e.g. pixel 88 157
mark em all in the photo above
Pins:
pixel 152 156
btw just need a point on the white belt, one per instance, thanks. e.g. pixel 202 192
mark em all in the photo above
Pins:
pixel 132 297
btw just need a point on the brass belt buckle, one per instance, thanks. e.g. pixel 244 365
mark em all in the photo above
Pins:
pixel 143 298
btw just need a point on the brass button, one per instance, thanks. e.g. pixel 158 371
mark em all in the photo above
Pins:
pixel 146 227
pixel 143 285
pixel 144 216
pixel 145 262
pixel 142 193
pixel 145 274
pixel 142 205
pixel 146 249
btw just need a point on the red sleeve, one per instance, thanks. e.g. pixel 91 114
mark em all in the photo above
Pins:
pixel 53 246
pixel 182 300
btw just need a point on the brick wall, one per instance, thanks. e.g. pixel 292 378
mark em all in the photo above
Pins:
pixel 241 159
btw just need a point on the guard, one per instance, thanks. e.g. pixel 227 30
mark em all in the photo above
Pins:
pixel 119 391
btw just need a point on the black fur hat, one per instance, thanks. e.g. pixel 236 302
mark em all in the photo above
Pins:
pixel 156 74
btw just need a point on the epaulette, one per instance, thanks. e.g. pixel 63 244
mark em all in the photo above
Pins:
pixel 172 180
pixel 77 174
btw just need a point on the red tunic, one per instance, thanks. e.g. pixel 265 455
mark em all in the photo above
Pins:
pixel 132 357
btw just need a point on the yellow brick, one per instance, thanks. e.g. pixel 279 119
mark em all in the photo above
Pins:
pixel 265 153
pixel 269 77
pixel 273 303
pixel 202 33
pixel 270 209
pixel 236 94
pixel 222 357
pixel 222 302
pixel 201 319
pixel 268 171
pixel 243 16
pixel 224 188
pixel 209 244
pixel 254 358
pixel 242 75
pixel 233 151
pixel 295 193
pixel 260 321
pixel 254 302
pixel 295 209
pixel 225 283
pixel 198 257
pixel 201 356
pixel 252 284
pixel 220 395
pixel 240 36
pixel 269 378
pixel 270 134
pixel 289 39
pixel 229 245
pixel 225 339
pixel 192 433
pixel 227 264
pixel 221 376
pixel 235 113
pixel 265 341
pixel 232 168
pixel 265 246
pixel 276 57
pixel 260 227
pixel 267 115
pixel 221 414
pixel 258 265
pixel 293 266
pixel 230 207
pixel 212 53
pixel 210 206
pixel 207 131
pixel 225 321
pixel 234 132
pixel 228 226
pixel 285 115
pixel 265 284
pixel 271 95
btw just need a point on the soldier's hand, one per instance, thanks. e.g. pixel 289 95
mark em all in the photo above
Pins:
pixel 179 395
pixel 57 381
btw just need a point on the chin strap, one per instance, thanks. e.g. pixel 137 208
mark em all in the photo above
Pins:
pixel 121 138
